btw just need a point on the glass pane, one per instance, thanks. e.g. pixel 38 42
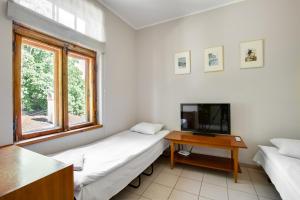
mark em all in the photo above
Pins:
pixel 37 88
pixel 77 90
pixel 66 18
pixel 44 7
pixel 80 25
pixel 81 15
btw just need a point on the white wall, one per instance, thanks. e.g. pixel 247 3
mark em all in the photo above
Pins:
pixel 265 101
pixel 6 104
pixel 119 86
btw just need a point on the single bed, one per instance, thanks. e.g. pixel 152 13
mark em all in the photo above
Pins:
pixel 112 163
pixel 283 171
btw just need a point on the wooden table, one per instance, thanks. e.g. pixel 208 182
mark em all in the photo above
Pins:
pixel 213 162
pixel 25 175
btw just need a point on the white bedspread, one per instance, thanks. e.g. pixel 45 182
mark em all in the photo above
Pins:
pixel 283 171
pixel 77 160
pixel 108 154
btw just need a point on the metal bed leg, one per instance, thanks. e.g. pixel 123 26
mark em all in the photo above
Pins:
pixel 139 183
pixel 166 153
pixel 139 177
pixel 149 174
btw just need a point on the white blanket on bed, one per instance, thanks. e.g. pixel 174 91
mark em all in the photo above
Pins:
pixel 104 156
pixel 284 171
pixel 77 160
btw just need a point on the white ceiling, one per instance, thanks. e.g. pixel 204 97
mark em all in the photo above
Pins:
pixel 143 13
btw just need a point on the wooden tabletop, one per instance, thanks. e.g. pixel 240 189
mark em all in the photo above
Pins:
pixel 217 140
pixel 20 167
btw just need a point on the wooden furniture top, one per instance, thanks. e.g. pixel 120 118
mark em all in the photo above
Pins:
pixel 226 141
pixel 20 167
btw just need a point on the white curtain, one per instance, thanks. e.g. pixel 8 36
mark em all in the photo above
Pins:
pixel 83 16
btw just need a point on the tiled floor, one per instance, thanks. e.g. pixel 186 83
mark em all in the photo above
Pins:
pixel 190 183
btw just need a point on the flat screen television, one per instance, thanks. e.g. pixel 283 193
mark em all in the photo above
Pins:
pixel 206 118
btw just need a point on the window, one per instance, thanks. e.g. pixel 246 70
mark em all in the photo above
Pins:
pixel 39 96
pixel 54 85
pixel 43 7
pixel 86 17
pixel 79 89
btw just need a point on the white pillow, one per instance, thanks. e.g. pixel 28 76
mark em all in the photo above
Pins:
pixel 288 147
pixel 147 128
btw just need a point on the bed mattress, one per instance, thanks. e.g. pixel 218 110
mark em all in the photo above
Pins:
pixel 110 164
pixel 283 171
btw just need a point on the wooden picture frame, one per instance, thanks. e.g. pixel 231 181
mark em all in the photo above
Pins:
pixel 214 59
pixel 182 61
pixel 252 54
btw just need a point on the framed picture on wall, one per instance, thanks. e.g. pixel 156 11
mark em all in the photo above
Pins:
pixel 183 62
pixel 214 59
pixel 252 54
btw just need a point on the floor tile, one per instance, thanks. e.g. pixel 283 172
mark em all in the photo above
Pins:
pixel 244 169
pixel 237 195
pixel 157 192
pixel 180 195
pixel 125 195
pixel 149 178
pixel 263 198
pixel 266 190
pixel 166 179
pixel 188 185
pixel 244 175
pixel 241 185
pixel 215 178
pixel 175 171
pixel 140 190
pixel 157 170
pixel 213 192
pixel 144 198
pixel 192 173
pixel 258 177
pixel 258 170
pixel 160 167
pixel 203 198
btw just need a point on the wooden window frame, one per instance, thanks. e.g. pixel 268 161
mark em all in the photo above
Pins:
pixel 62 50
pixel 88 84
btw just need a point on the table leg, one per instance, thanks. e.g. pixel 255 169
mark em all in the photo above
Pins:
pixel 235 163
pixel 172 154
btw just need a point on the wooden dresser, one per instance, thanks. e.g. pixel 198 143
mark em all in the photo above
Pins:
pixel 25 175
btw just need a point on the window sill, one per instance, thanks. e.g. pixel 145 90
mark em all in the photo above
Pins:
pixel 55 136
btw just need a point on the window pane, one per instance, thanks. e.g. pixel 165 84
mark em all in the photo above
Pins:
pixel 80 25
pixel 77 89
pixel 90 17
pixel 66 18
pixel 37 88
pixel 44 7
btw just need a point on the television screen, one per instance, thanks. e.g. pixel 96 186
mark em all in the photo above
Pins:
pixel 206 118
